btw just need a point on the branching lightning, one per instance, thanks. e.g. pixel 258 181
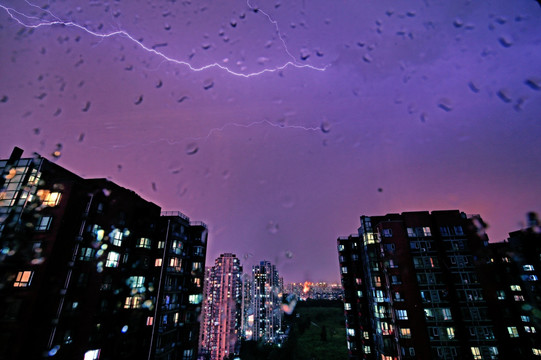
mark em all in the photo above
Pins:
pixel 29 22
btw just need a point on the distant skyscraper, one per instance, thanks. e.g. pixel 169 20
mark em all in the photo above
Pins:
pixel 412 288
pixel 221 326
pixel 266 302
pixel 89 270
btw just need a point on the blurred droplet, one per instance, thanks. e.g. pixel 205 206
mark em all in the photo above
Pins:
pixel 226 174
pixel 4 99
pixel 505 41
pixel 380 190
pixel 272 227
pixel 289 254
pixel 139 100
pixel 424 117
pixel 182 99
pixel 159 84
pixel 36 131
pixel 287 201
pixel 247 255
pixel 473 87
pixel 305 54
pixel 86 107
pixel 504 96
pixel 208 84
pixel 57 152
pixel 325 126
pixel 106 192
pixel 192 148
pixel 458 23
pixel 54 350
pixel 81 137
pixel 445 104
pixel 533 83
pixel 154 188
pixel 367 58
pixel 124 329
pixel 57 112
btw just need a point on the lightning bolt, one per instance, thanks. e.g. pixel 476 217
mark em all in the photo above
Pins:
pixel 29 22
pixel 220 129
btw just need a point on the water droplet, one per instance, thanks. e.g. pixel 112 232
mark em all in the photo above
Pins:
pixel 247 255
pixel 139 100
pixel 81 137
pixel 192 148
pixel 424 117
pixel 445 104
pixel 473 87
pixel 154 187
pixel 367 58
pixel 36 131
pixel 305 54
pixel 505 41
pixel 106 192
pixel 272 227
pixel 233 23
pixel 380 190
pixel 159 84
pixel 182 99
pixel 287 201
pixel 57 152
pixel 86 107
pixel 458 23
pixel 205 46
pixel 504 96
pixel 208 84
pixel 289 254
pixel 4 99
pixel 54 350
pixel 226 174
pixel 124 329
pixel 57 112
pixel 533 83
pixel 325 126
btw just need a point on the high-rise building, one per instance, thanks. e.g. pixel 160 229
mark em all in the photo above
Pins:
pixel 412 288
pixel 221 325
pixel 88 269
pixel 266 303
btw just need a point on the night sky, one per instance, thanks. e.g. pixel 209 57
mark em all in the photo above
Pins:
pixel 369 107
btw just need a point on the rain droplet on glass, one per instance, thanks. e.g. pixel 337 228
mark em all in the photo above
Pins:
pixel 192 148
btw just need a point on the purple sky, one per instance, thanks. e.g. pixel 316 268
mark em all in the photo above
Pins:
pixel 436 103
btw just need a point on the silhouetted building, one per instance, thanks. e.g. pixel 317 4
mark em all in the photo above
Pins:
pixel 85 269
pixel 511 274
pixel 266 303
pixel 221 326
pixel 412 288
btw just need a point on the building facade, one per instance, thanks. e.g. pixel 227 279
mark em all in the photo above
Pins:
pixel 266 303
pixel 413 290
pixel 221 326
pixel 83 272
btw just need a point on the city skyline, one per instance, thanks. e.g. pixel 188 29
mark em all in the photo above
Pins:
pixel 367 108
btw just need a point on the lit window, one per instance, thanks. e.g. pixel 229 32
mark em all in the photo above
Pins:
pixel 426 231
pixel 195 298
pixel 500 294
pixel 536 352
pixel 377 281
pixel 458 230
pixel 144 243
pixel 340 247
pixel 351 332
pixel 402 314
pixel 525 318
pixel 161 244
pixel 23 279
pixel 476 353
pixel 387 232
pixel 175 263
pixel 150 320
pixel 136 282
pixel 515 287
pixel 347 306
pixel 197 282
pixel 411 232
pixel 44 223
pixel 450 333
pixel 48 198
pixel 116 237
pixel 112 259
pixel 86 254
pixel 366 349
pixel 344 270
pixel 196 266
pixel 528 268
pixel 530 329
pixel 405 333
pixel 158 262
pixel 92 355
pixel 446 313
pixel 133 302
pixel 366 335
pixel 519 298
pixel 513 332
